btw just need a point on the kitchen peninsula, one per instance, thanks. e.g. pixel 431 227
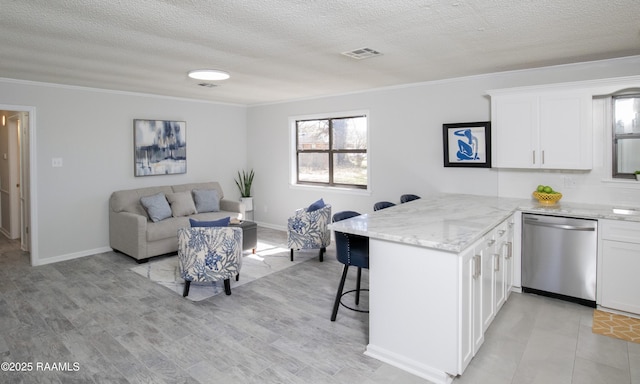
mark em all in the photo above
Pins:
pixel 440 269
pixel 421 268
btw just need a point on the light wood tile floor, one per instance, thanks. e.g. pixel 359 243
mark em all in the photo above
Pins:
pixel 121 328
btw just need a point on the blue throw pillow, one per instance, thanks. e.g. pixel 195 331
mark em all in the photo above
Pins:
pixel 316 205
pixel 214 223
pixel 157 206
pixel 206 200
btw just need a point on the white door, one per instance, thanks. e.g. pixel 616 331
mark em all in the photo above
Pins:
pixel 23 137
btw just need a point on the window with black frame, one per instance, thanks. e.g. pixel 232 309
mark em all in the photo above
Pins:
pixel 626 134
pixel 332 152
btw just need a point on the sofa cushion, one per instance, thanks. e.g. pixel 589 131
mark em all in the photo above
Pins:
pixel 206 200
pixel 191 186
pixel 157 206
pixel 214 223
pixel 181 204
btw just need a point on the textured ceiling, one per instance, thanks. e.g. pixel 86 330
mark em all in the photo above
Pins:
pixel 279 50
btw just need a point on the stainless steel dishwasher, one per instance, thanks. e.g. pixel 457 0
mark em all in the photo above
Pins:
pixel 559 257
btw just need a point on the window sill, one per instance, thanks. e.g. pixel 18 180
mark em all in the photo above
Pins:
pixel 348 191
pixel 622 183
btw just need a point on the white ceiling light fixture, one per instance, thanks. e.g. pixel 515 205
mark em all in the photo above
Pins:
pixel 209 74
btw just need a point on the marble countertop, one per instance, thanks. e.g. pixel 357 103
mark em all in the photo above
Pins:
pixel 452 222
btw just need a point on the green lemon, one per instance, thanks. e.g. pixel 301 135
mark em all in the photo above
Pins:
pixel 540 188
pixel 547 189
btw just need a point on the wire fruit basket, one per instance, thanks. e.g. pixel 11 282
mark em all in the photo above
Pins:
pixel 547 198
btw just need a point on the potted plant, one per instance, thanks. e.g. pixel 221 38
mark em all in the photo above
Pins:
pixel 244 181
pixel 637 175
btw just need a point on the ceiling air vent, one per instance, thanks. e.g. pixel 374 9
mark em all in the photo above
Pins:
pixel 362 53
pixel 208 85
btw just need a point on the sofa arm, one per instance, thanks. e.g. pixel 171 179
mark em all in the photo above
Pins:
pixel 128 233
pixel 233 206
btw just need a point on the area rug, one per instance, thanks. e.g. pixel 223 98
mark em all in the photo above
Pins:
pixel 269 258
pixel 618 326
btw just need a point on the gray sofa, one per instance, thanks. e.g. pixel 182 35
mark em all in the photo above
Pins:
pixel 132 231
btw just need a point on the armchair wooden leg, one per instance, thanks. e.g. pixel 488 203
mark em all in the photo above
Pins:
pixel 227 286
pixel 322 251
pixel 186 288
pixel 291 254
pixel 336 304
pixel 238 277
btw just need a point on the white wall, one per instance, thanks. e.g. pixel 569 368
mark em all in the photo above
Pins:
pixel 405 148
pixel 92 131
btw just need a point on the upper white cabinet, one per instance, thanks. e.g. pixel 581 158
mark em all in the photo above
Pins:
pixel 541 128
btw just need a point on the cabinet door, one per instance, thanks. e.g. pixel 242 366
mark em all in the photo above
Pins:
pixel 620 284
pixel 499 277
pixel 507 252
pixel 471 332
pixel 514 133
pixel 487 255
pixel 565 131
pixel 466 309
pixel 477 325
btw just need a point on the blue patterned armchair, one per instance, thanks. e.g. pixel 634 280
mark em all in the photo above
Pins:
pixel 209 254
pixel 308 230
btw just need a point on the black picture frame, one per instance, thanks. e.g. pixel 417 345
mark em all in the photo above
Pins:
pixel 467 144
pixel 160 147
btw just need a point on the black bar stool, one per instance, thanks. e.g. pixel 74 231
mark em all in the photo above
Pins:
pixel 351 250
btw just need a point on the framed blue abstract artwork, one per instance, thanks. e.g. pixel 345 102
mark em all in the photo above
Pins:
pixel 467 144
pixel 160 147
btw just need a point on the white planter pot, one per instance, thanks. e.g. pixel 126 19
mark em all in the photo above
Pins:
pixel 248 203
pixel 638 176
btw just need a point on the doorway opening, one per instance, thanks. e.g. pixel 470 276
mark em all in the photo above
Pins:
pixel 16 216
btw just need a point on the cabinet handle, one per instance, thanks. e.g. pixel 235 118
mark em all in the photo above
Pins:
pixel 534 156
pixel 497 265
pixel 501 232
pixel 542 157
pixel 477 266
pixel 474 267
pixel 509 249
pixel 491 242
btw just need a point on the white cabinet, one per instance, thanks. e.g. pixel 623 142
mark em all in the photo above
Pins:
pixel 539 128
pixel 488 259
pixel 499 266
pixel 507 254
pixel 472 332
pixel 487 274
pixel 619 285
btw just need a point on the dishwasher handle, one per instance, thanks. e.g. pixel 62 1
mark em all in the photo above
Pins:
pixel 560 226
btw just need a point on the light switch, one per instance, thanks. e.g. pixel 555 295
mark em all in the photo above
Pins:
pixel 56 162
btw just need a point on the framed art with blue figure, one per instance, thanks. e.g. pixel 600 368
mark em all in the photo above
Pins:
pixel 467 144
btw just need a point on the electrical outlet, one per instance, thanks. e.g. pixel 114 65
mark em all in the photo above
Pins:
pixel 569 182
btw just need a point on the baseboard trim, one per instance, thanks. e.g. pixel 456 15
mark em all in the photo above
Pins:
pixel 271 226
pixel 70 256
pixel 411 366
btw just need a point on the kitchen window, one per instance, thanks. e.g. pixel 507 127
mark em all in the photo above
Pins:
pixel 331 151
pixel 626 133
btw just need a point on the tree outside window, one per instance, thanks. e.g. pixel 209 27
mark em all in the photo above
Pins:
pixel 332 152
